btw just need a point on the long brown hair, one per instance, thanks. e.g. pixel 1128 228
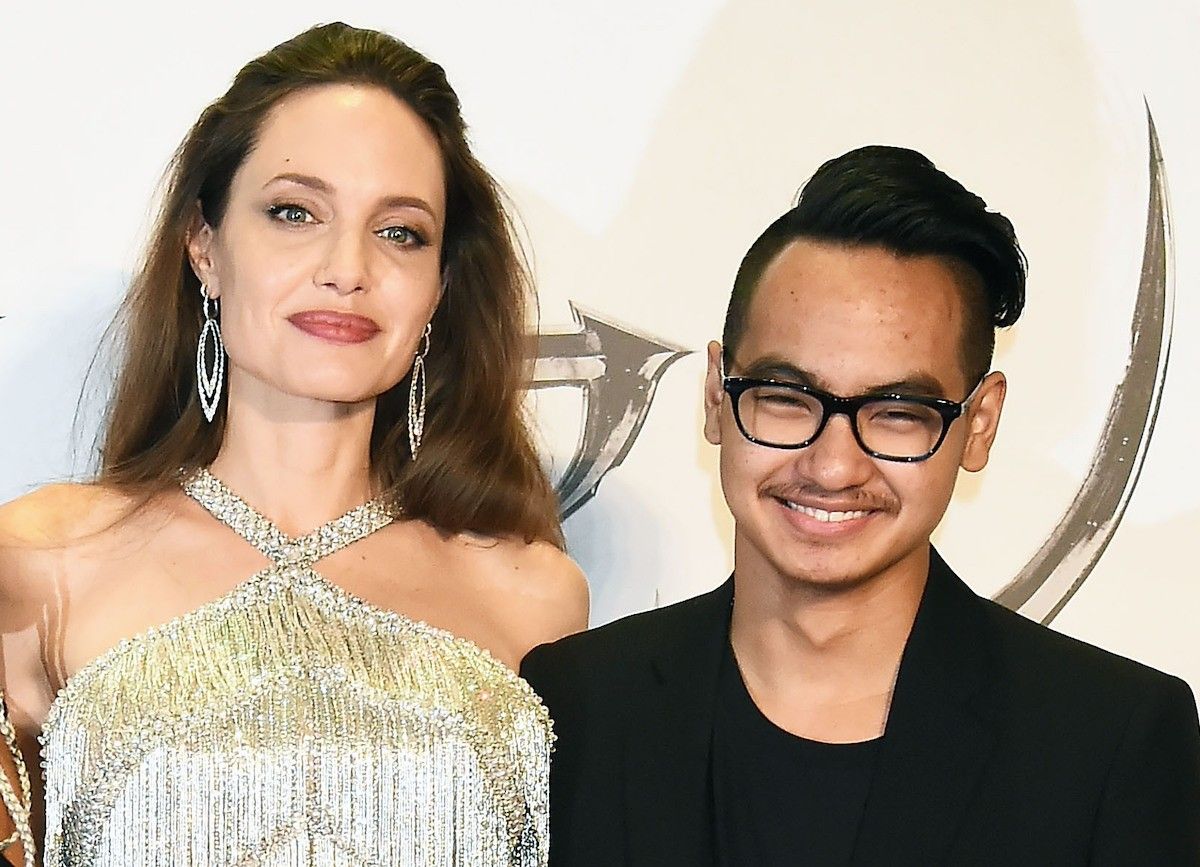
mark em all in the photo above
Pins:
pixel 478 470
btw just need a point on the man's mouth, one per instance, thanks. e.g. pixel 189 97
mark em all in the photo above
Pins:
pixel 825 515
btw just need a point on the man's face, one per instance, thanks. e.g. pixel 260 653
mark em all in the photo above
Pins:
pixel 850 321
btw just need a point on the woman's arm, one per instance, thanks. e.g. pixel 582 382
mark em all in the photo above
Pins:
pixel 30 551
pixel 16 835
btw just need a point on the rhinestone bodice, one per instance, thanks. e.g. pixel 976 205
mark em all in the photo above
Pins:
pixel 290 723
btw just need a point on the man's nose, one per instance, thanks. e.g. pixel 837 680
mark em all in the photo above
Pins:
pixel 835 460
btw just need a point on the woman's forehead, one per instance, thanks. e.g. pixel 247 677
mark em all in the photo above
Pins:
pixel 359 140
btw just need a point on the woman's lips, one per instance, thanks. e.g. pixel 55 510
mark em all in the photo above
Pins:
pixel 334 326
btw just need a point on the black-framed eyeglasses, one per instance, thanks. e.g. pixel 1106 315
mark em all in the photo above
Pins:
pixel 891 427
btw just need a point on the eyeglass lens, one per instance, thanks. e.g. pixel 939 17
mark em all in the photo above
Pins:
pixel 785 417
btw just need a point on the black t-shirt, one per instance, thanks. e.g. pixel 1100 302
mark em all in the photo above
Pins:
pixel 781 799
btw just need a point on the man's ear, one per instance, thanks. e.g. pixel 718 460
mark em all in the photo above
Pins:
pixel 983 420
pixel 714 395
pixel 200 240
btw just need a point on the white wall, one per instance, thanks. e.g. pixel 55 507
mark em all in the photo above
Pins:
pixel 646 148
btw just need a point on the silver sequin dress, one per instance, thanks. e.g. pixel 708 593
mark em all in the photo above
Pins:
pixel 290 723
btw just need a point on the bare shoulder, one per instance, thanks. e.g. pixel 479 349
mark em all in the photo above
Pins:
pixel 43 529
pixel 539 591
pixel 59 514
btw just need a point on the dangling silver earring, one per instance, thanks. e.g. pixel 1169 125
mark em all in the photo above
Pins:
pixel 209 383
pixel 416 397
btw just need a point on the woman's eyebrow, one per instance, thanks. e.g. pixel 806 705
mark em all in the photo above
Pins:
pixel 321 186
pixel 304 180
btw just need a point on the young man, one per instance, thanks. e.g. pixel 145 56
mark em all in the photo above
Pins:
pixel 845 698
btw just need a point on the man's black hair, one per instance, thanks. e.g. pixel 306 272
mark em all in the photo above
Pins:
pixel 895 198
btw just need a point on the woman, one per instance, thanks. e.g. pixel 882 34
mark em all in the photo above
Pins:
pixel 329 330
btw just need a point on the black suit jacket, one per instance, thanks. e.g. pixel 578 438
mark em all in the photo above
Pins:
pixel 1006 744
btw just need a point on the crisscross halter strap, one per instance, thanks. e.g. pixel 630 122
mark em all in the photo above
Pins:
pixel 283 550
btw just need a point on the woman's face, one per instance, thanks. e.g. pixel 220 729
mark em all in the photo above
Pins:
pixel 327 260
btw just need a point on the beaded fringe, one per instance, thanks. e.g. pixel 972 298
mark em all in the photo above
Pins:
pixel 291 724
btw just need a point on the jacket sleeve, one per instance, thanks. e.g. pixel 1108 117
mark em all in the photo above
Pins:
pixel 586 777
pixel 546 669
pixel 1150 808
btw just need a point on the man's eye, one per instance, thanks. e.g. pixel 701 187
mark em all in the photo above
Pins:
pixel 402 235
pixel 781 399
pixel 290 213
pixel 902 415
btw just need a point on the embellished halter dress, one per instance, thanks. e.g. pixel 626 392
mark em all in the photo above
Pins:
pixel 290 723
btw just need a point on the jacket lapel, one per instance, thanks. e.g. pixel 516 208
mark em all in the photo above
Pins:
pixel 669 795
pixel 938 735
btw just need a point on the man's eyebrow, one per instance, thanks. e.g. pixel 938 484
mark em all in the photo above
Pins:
pixel 321 186
pixel 784 371
pixel 915 384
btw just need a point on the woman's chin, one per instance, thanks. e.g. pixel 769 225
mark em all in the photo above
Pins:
pixel 343 394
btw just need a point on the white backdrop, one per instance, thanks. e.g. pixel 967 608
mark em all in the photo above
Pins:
pixel 646 145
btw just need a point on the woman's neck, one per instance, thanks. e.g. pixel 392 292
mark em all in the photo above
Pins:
pixel 299 461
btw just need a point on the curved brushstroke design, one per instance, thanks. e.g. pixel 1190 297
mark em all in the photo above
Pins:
pixel 618 369
pixel 1071 551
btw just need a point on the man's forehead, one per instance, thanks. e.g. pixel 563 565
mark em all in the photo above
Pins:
pixel 857 317
pixel 816 275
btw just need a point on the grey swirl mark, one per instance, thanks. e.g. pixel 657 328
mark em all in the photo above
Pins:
pixel 1071 551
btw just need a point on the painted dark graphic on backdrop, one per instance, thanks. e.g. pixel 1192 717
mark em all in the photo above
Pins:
pixel 617 369
pixel 1071 551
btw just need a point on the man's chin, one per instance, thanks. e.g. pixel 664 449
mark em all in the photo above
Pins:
pixel 834 572
pixel 831 581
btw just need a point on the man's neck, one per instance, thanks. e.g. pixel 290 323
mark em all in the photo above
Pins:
pixel 822 662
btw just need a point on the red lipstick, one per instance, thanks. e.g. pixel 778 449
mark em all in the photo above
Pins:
pixel 335 326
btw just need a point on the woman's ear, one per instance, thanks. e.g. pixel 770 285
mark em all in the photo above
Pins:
pixel 200 238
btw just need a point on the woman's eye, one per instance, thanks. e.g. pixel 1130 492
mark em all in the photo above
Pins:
pixel 402 235
pixel 290 213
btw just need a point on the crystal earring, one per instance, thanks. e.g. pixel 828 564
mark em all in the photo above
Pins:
pixel 416 396
pixel 209 382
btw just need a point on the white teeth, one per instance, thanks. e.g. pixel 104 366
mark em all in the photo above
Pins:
pixel 823 515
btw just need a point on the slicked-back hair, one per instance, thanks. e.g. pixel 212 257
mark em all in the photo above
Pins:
pixel 897 199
